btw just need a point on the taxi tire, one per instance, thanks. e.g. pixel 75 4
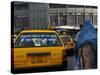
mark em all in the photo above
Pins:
pixel 64 65
pixel 70 52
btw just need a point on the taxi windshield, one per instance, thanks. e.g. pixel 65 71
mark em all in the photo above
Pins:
pixel 37 40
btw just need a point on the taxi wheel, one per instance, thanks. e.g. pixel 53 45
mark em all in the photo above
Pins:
pixel 64 65
pixel 87 57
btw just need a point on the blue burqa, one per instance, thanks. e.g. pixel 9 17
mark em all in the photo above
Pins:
pixel 87 34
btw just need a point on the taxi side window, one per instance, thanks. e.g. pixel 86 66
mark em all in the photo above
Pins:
pixel 68 39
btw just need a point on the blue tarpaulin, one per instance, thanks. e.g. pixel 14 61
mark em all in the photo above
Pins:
pixel 87 34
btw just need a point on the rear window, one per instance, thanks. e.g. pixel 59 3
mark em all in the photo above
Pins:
pixel 65 39
pixel 37 40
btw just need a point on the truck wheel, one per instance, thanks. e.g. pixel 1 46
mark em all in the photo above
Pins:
pixel 87 57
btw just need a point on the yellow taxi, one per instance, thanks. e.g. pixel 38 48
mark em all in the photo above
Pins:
pixel 37 48
pixel 68 41
pixel 68 44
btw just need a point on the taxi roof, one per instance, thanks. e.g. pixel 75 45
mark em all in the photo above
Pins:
pixel 37 31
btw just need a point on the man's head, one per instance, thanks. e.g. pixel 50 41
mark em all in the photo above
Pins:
pixel 81 25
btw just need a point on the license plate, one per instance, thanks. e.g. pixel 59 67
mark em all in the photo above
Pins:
pixel 39 59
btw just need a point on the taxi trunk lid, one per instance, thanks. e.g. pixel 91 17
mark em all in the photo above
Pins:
pixel 33 57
